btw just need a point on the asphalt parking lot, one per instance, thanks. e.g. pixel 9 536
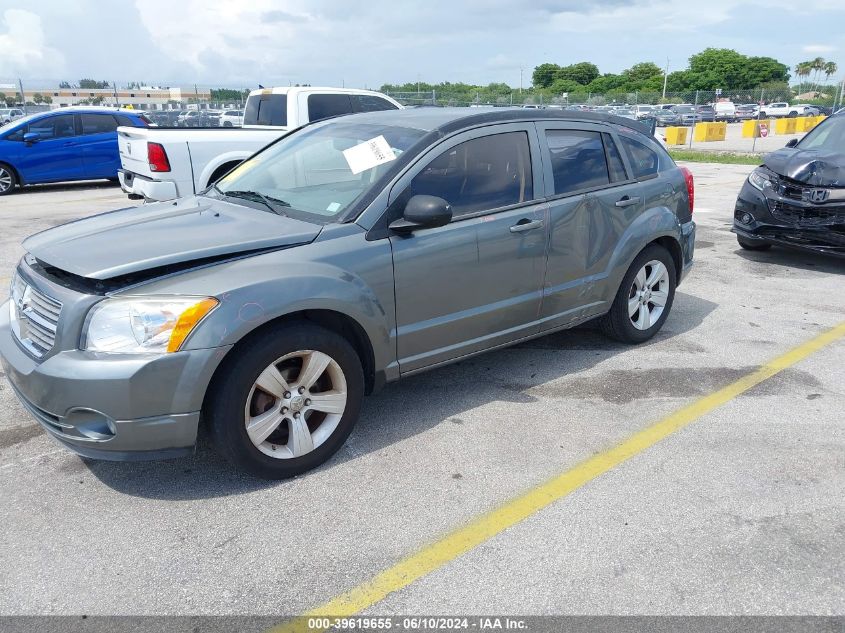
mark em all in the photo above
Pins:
pixel 738 512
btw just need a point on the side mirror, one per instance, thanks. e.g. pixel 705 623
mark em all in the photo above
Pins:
pixel 792 142
pixel 423 212
pixel 31 137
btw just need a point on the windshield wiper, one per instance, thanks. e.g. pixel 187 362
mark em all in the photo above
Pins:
pixel 269 201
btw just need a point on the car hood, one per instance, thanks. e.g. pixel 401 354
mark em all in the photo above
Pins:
pixel 825 168
pixel 164 233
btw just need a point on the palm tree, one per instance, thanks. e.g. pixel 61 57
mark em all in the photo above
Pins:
pixel 830 68
pixel 817 66
pixel 802 69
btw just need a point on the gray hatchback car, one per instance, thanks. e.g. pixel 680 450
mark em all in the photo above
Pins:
pixel 345 255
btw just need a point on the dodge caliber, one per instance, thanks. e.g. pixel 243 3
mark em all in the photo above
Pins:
pixel 343 256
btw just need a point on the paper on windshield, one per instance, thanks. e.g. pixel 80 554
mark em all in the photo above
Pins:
pixel 369 154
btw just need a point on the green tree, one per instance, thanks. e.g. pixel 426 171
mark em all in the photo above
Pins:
pixel 38 98
pixel 830 68
pixel 565 85
pixel 802 70
pixel 544 75
pixel 92 84
pixel 582 72
pixel 64 84
pixel 606 83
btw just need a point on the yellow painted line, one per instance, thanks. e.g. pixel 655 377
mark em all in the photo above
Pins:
pixel 463 540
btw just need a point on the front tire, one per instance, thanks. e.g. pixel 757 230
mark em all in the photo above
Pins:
pixel 8 180
pixel 287 401
pixel 644 298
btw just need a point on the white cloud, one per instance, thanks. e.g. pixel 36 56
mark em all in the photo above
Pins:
pixel 818 48
pixel 23 49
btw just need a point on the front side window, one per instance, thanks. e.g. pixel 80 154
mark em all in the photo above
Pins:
pixel 98 123
pixel 319 172
pixel 578 161
pixel 325 106
pixel 479 175
pixel 54 127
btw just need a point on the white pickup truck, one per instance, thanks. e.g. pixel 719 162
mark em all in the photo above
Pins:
pixel 782 109
pixel 167 163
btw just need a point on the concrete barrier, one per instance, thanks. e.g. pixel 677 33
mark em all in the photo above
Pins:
pixel 786 126
pixel 707 132
pixel 805 123
pixel 751 128
pixel 676 135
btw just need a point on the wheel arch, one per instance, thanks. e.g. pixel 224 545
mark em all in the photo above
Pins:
pixel 229 160
pixel 333 320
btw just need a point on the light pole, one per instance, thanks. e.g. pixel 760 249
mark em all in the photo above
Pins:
pixel 520 81
pixel 665 78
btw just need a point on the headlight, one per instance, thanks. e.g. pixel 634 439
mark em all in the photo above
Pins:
pixel 143 325
pixel 761 178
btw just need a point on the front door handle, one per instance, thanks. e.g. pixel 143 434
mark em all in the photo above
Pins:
pixel 526 225
pixel 627 201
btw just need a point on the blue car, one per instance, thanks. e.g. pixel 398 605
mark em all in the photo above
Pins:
pixel 65 144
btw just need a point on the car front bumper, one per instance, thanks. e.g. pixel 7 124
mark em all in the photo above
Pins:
pixel 149 189
pixel 754 220
pixel 110 406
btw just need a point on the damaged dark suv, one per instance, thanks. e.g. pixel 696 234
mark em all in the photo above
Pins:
pixel 797 197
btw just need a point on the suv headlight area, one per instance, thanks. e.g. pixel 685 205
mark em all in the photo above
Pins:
pixel 143 325
pixel 761 178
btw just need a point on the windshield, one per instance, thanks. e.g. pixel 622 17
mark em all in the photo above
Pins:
pixel 830 135
pixel 683 109
pixel 320 171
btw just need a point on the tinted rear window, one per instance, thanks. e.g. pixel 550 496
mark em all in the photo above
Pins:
pixel 371 103
pixel 325 106
pixel 266 110
pixel 98 123
pixel 578 160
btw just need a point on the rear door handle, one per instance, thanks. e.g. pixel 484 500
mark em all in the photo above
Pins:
pixel 627 201
pixel 526 225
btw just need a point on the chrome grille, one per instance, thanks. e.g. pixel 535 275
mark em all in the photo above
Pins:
pixel 35 317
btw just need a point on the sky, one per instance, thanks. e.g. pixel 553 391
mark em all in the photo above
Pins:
pixel 368 43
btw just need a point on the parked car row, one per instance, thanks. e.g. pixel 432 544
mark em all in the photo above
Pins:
pixel 196 118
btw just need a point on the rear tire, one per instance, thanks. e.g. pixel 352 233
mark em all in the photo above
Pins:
pixel 8 180
pixel 263 381
pixel 750 245
pixel 645 287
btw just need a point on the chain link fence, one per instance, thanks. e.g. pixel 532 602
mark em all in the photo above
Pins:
pixel 530 97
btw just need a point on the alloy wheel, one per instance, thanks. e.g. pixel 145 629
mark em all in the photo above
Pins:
pixel 295 404
pixel 648 295
pixel 5 179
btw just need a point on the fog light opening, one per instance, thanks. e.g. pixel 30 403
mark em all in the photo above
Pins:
pixel 746 218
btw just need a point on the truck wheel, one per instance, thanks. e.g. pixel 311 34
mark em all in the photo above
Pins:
pixel 7 180
pixel 792 114
pixel 287 401
pixel 751 245
pixel 644 298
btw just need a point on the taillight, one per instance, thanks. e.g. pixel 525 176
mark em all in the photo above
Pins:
pixel 690 187
pixel 157 157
